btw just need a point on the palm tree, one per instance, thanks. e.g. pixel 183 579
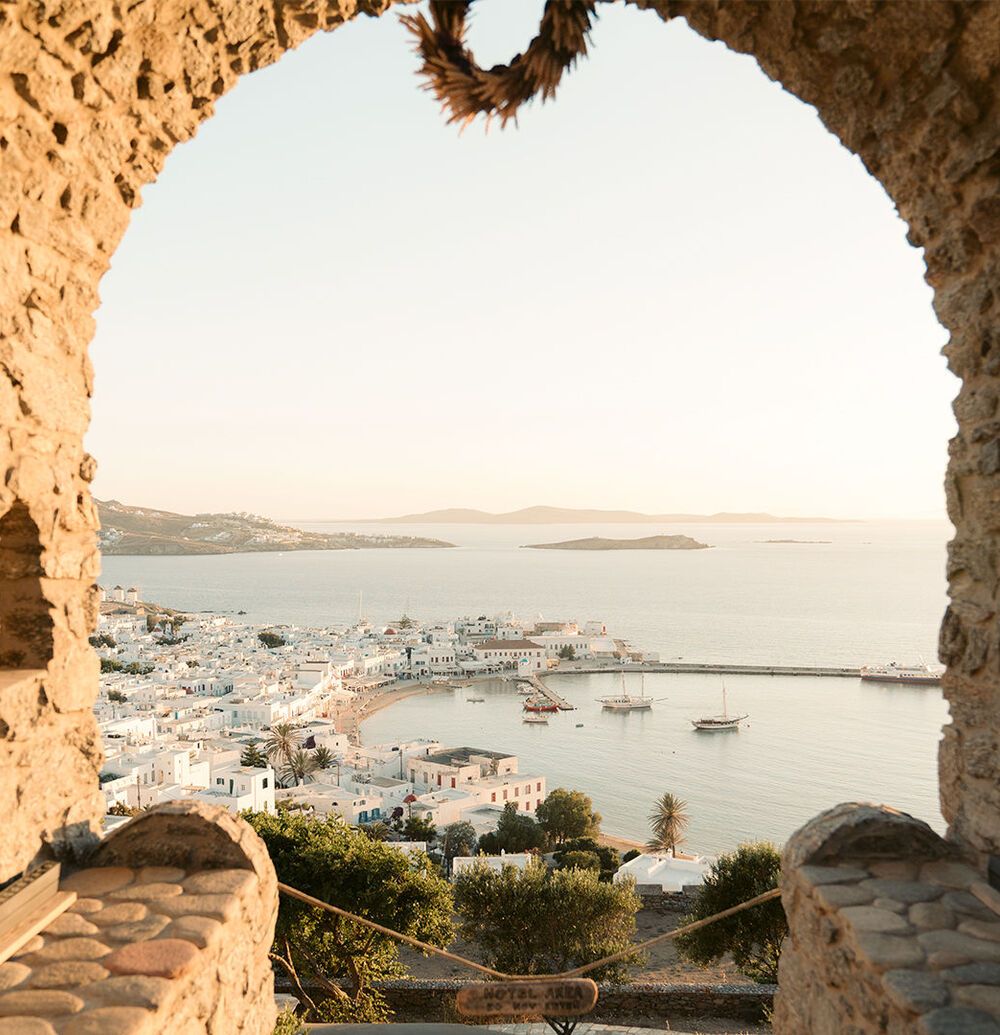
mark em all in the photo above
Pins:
pixel 299 768
pixel 253 757
pixel 281 742
pixel 323 757
pixel 667 821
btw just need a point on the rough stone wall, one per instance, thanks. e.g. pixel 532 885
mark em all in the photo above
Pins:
pixel 913 88
pixel 93 97
pixel 890 932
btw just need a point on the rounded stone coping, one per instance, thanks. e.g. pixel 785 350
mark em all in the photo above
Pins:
pixel 189 836
pixel 865 831
pixel 117 964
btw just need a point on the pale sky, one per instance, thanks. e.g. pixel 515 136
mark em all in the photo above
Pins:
pixel 669 290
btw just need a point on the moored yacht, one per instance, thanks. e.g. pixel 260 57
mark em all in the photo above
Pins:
pixel 626 702
pixel 725 721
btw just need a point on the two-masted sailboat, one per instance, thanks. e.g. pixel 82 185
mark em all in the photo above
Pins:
pixel 626 702
pixel 725 721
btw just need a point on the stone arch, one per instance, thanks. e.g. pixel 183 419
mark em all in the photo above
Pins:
pixel 93 97
pixel 25 621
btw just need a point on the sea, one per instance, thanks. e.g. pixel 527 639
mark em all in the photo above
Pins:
pixel 841 594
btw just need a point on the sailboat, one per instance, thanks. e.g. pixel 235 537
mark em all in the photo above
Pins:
pixel 725 721
pixel 626 702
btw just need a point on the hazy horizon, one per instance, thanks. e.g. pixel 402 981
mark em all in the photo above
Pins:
pixel 331 302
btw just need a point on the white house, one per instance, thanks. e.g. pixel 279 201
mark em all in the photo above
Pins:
pixel 238 788
pixel 664 871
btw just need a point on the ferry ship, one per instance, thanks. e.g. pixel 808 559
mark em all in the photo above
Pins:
pixel 896 673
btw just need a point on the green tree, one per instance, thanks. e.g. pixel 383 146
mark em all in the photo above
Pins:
pixel 282 740
pixel 406 622
pixel 458 839
pixel 271 639
pixel 607 857
pixel 323 757
pixel 299 768
pixel 419 828
pixel 377 831
pixel 117 696
pixel 632 853
pixel 667 822
pixel 535 922
pixel 110 665
pixel 515 832
pixel 317 950
pixel 578 860
pixel 568 653
pixel 754 936
pixel 568 814
pixel 253 757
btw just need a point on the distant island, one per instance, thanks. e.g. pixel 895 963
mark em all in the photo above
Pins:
pixel 818 542
pixel 139 531
pixel 570 516
pixel 649 542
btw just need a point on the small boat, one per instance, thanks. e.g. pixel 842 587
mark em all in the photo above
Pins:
pixel 475 700
pixel 579 725
pixel 540 704
pixel 725 721
pixel 525 689
pixel 536 720
pixel 626 702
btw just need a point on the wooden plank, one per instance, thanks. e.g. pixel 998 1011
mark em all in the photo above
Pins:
pixel 24 896
pixel 556 997
pixel 11 941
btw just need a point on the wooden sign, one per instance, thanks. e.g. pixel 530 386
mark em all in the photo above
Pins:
pixel 558 997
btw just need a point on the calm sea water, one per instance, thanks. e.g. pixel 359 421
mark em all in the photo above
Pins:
pixel 874 592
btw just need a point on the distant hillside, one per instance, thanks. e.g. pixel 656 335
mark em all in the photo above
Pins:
pixel 141 531
pixel 569 516
pixel 649 542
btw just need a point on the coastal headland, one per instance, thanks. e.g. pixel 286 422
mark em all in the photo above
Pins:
pixel 140 531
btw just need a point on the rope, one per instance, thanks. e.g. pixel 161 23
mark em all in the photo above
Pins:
pixel 316 903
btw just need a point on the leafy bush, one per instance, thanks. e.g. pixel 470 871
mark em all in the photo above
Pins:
pixel 754 936
pixel 534 921
pixel 333 962
pixel 607 857
pixel 580 861
pixel 632 853
pixel 271 639
pixel 515 832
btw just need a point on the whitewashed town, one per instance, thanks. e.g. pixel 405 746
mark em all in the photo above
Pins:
pixel 191 703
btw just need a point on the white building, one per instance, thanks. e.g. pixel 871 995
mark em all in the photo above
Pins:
pixel 669 874
pixel 238 788
pixel 523 655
